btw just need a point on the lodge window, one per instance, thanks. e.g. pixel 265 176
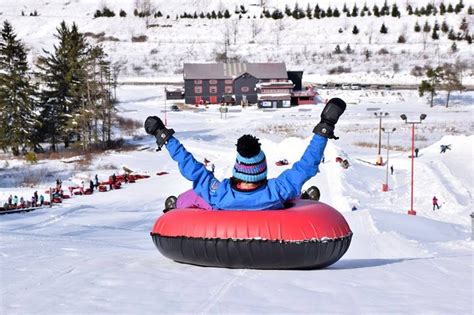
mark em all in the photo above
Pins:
pixel 228 90
pixel 198 90
pixel 197 81
pixel 213 89
pixel 245 89
pixel 212 81
pixel 228 81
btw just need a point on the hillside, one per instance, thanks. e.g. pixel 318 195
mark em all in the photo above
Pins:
pixel 94 255
pixel 160 49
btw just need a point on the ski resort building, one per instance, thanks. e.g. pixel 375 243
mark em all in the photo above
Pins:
pixel 265 84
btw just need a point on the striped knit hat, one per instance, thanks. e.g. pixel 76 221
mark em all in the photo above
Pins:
pixel 250 164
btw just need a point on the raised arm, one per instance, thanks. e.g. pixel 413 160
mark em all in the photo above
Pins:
pixel 291 181
pixel 188 166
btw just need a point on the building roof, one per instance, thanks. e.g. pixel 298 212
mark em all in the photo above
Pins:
pixel 193 71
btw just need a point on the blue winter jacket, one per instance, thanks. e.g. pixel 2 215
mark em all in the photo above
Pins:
pixel 272 195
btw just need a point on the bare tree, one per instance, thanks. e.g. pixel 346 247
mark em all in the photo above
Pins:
pixel 451 80
pixel 234 27
pixel 226 34
pixel 370 32
pixel 145 9
pixel 256 28
pixel 280 26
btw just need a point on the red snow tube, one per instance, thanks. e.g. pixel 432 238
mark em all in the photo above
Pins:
pixel 307 235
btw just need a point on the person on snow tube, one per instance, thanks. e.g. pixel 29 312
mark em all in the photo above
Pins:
pixel 248 188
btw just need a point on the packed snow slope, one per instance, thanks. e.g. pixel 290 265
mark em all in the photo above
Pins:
pixel 155 47
pixel 94 255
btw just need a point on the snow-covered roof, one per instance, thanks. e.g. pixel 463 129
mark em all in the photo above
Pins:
pixel 232 70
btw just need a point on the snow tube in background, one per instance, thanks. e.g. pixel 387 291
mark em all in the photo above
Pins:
pixel 307 235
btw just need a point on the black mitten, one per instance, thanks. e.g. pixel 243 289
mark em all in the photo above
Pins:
pixel 329 117
pixel 154 126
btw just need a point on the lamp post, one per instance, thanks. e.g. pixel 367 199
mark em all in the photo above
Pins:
pixel 380 115
pixel 413 123
pixel 385 186
pixel 166 97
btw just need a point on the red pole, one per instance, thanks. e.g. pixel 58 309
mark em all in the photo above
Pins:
pixel 411 211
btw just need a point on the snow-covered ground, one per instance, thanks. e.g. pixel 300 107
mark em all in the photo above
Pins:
pixel 303 44
pixel 93 254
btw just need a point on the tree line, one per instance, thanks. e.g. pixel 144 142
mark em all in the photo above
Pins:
pixel 68 99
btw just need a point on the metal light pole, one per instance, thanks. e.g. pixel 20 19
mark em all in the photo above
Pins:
pixel 380 115
pixel 413 123
pixel 385 186
pixel 166 97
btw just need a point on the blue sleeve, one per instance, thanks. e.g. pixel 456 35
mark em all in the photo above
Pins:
pixel 204 182
pixel 290 182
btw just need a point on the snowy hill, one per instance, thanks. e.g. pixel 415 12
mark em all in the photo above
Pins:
pixel 305 44
pixel 93 254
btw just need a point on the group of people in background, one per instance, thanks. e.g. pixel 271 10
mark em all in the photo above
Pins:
pixel 13 202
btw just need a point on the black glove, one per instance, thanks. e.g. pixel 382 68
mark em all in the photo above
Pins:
pixel 329 117
pixel 154 126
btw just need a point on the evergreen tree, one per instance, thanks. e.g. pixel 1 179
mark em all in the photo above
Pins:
pixel 17 104
pixel 458 8
pixel 309 12
pixel 376 10
pixel 227 14
pixel 63 76
pixel 417 27
pixel 469 39
pixel 122 13
pixel 451 35
pixel 470 10
pixel 454 47
pixel 385 9
pixel 317 12
pixel 337 50
pixel 355 11
pixel 383 29
pixel 444 27
pixel 429 9
pixel 344 8
pixel 442 8
pixel 277 14
pixel 349 49
pixel 329 12
pixel 288 10
pixel 336 13
pixel 355 30
pixel 410 9
pixel 401 39
pixel 426 27
pixel 432 84
pixel 435 35
pixel 395 11
pixel 450 8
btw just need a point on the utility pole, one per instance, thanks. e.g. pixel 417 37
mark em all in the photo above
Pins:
pixel 385 186
pixel 413 123
pixel 380 115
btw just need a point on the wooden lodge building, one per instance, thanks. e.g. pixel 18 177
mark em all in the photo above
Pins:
pixel 265 84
